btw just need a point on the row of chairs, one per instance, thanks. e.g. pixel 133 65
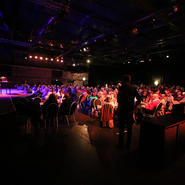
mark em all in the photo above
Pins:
pixel 93 106
pixel 52 115
pixel 29 111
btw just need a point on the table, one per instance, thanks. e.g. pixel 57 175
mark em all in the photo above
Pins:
pixel 162 140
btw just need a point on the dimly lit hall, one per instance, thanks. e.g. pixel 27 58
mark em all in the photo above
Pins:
pixel 92 92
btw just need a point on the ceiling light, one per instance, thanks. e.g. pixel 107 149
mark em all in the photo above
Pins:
pixel 88 61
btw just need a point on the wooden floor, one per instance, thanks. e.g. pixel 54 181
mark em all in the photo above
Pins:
pixel 82 154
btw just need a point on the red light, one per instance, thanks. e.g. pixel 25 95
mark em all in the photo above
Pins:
pixel 175 9
pixel 62 61
pixel 134 30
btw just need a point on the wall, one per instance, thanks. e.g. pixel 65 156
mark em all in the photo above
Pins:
pixel 75 78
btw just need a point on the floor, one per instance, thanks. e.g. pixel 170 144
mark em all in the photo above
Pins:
pixel 82 154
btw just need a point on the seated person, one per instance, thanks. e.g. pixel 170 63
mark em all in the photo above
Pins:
pixel 150 107
pixel 107 112
pixel 51 99
pixel 183 98
pixel 65 106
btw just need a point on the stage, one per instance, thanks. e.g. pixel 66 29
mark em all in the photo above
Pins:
pixel 13 93
pixel 6 97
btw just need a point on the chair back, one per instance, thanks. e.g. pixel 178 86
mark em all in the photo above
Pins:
pixel 97 103
pixel 52 110
pixel 80 98
pixel 157 110
pixel 92 102
pixel 72 108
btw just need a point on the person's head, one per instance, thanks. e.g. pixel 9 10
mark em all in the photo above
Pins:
pixel 108 99
pixel 52 97
pixel 155 96
pixel 127 78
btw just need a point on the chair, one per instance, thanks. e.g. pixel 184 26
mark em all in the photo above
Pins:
pixel 79 102
pixel 91 105
pixel 157 112
pixel 52 114
pixel 71 112
pixel 97 107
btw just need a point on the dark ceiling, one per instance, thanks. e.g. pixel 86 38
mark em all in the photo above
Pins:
pixel 111 31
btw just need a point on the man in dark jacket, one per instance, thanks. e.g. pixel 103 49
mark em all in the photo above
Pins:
pixel 126 101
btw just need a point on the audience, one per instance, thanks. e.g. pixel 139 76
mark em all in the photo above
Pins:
pixel 64 95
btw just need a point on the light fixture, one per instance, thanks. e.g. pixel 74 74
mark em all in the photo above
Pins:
pixel 167 56
pixel 88 61
pixel 41 58
pixel 83 78
pixel 36 57
pixel 51 59
pixel 73 64
pixel 46 58
pixel 156 82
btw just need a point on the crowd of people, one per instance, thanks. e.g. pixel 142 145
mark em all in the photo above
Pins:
pixel 118 103
pixel 151 96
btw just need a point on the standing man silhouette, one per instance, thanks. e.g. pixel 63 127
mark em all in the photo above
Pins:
pixel 126 96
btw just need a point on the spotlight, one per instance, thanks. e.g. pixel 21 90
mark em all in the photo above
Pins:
pixel 156 82
pixel 36 57
pixel 134 30
pixel 83 78
pixel 30 56
pixel 175 9
pixel 88 61
pixel 41 58
pixel 61 61
pixel 167 56
pixel 46 58
pixel 51 59
pixel 74 65
pixel 57 60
